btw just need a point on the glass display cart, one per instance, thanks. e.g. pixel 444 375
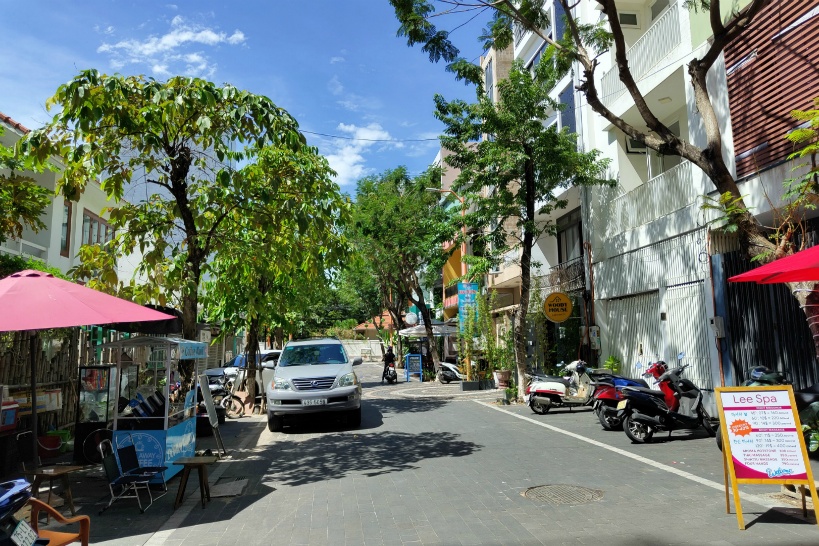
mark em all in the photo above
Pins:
pixel 150 413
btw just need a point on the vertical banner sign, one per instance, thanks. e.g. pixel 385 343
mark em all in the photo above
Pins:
pixel 467 295
pixel 762 441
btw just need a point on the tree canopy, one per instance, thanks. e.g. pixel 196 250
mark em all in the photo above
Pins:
pixel 22 200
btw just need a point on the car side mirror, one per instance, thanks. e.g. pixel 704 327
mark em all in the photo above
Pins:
pixel 269 365
pixel 357 360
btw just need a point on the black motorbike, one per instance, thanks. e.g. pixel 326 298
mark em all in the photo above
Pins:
pixel 677 405
pixel 390 375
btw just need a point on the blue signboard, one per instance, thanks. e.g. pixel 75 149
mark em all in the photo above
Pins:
pixel 467 297
pixel 192 349
pixel 413 364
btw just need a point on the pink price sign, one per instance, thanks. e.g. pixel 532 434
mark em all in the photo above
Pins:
pixel 762 435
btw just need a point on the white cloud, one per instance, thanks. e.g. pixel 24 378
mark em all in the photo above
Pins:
pixel 168 52
pixel 334 60
pixel 348 157
pixel 335 87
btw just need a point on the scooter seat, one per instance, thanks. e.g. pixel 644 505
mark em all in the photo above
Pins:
pixel 645 390
pixel 553 379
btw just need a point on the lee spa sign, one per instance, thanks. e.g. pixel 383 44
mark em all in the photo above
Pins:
pixel 557 306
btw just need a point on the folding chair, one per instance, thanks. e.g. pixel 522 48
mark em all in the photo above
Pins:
pixel 122 486
pixel 129 465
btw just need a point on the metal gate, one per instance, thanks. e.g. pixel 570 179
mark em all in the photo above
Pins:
pixel 687 331
pixel 635 331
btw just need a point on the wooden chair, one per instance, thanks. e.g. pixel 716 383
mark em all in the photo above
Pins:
pixel 59 538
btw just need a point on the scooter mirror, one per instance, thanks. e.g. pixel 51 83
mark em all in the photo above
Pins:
pixel 681 356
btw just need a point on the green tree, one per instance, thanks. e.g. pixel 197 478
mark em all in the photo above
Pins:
pixel 293 238
pixel 525 164
pixel 22 200
pixel 183 139
pixel 400 230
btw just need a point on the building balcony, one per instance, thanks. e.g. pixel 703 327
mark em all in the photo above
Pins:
pixel 671 191
pixel 568 276
pixel 27 249
pixel 661 38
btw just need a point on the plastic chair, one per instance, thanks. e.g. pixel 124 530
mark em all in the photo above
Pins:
pixel 59 538
pixel 122 486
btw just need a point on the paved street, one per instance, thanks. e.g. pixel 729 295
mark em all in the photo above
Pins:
pixel 432 465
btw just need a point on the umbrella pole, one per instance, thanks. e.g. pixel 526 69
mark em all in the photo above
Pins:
pixel 33 357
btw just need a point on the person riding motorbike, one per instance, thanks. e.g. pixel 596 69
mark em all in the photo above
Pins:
pixel 388 358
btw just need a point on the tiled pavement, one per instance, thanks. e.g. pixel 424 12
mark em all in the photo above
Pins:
pixel 432 465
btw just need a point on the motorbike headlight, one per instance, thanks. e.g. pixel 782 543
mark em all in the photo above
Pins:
pixel 347 380
pixel 279 384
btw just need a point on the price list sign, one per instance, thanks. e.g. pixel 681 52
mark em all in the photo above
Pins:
pixel 762 440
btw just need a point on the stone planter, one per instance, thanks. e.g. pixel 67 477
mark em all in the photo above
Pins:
pixel 487 384
pixel 470 385
pixel 502 378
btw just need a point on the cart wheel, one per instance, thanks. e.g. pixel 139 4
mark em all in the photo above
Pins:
pixel 90 445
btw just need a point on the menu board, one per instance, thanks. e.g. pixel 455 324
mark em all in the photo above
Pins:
pixel 765 443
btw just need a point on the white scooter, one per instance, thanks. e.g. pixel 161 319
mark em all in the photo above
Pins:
pixel 449 372
pixel 547 391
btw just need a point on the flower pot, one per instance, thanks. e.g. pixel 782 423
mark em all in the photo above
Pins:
pixel 502 378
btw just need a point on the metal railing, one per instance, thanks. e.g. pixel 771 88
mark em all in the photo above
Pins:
pixel 18 247
pixel 566 276
pixel 659 40
pixel 662 195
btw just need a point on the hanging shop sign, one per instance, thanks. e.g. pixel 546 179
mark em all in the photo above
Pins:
pixel 557 306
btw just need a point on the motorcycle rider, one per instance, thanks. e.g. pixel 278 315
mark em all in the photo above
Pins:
pixel 388 358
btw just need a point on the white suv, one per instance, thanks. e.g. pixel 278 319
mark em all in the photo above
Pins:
pixel 313 375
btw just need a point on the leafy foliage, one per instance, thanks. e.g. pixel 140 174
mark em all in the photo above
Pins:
pixel 22 200
pixel 12 264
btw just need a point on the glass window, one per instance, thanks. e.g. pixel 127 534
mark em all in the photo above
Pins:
pixel 489 81
pixel 657 8
pixel 567 118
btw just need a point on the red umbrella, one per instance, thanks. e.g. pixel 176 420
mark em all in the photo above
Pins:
pixel 34 300
pixel 800 267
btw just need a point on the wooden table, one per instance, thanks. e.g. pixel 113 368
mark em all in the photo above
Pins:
pixel 51 472
pixel 201 465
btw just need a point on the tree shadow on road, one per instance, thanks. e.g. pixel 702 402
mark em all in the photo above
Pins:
pixel 335 456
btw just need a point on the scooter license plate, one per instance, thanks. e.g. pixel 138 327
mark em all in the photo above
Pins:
pixel 23 534
pixel 314 402
pixel 622 404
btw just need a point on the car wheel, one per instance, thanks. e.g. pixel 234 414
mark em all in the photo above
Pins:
pixel 639 433
pixel 275 423
pixel 354 418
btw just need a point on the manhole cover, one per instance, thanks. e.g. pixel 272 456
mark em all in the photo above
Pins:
pixel 563 494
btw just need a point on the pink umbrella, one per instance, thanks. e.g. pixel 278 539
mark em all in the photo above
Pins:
pixel 34 300
pixel 800 267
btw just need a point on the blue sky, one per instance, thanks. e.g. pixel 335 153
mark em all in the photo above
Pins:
pixel 336 65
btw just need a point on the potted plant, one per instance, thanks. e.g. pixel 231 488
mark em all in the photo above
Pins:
pixel 505 361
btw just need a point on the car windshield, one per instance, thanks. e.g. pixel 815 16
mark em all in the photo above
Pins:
pixel 305 355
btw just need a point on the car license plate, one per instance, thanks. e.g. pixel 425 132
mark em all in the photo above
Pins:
pixel 23 534
pixel 314 402
pixel 622 404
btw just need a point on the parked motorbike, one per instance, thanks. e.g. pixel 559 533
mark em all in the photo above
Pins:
pixel 807 404
pixel 608 394
pixel 14 495
pixel 576 388
pixel 677 405
pixel 389 374
pixel 449 372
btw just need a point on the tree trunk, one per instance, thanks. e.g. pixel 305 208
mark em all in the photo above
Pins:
pixel 252 351
pixel 432 347
pixel 525 273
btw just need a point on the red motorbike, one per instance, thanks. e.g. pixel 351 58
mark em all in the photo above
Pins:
pixel 608 395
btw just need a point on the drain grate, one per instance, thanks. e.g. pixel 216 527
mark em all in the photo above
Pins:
pixel 563 494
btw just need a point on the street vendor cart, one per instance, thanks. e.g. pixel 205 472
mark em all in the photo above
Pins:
pixel 150 411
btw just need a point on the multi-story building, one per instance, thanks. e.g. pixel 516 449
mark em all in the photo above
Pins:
pixel 69 224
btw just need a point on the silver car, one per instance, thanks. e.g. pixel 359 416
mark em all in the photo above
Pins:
pixel 312 376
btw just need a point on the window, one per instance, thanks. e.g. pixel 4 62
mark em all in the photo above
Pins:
pixel 95 230
pixel 489 81
pixel 629 20
pixel 567 118
pixel 657 9
pixel 569 237
pixel 65 234
pixel 559 21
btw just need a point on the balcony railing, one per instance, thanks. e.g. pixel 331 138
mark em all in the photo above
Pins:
pixel 567 276
pixel 660 196
pixel 659 40
pixel 19 247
